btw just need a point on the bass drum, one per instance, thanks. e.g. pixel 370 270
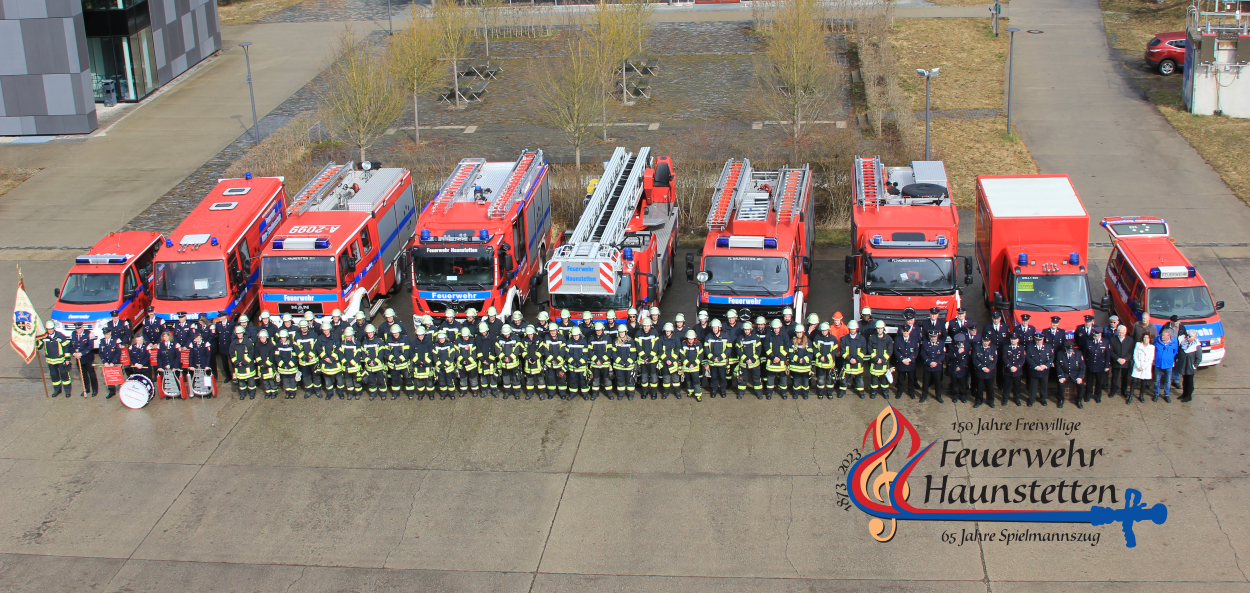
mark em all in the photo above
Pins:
pixel 136 392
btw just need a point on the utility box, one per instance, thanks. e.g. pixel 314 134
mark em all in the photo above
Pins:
pixel 1217 59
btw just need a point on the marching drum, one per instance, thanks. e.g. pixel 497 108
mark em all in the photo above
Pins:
pixel 136 392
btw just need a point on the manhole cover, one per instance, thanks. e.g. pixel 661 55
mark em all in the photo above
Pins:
pixel 1035 31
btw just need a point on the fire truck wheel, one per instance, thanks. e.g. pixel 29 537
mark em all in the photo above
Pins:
pixel 365 306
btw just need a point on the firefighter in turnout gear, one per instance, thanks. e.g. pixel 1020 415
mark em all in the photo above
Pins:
pixel 353 357
pixel 509 353
pixel 375 355
pixel 881 347
pixel 776 352
pixel 532 364
pixel 625 363
pixel 600 362
pixel 421 354
pixel 306 352
pixel 266 365
pixel 242 365
pixel 692 364
pixel 553 361
pixel 670 370
pixel 445 360
pixel 331 362
pixel 718 351
pixel 799 364
pixel 578 364
pixel 398 359
pixel 469 368
pixel 750 352
pixel 488 366
pixel 854 351
pixel 56 351
pixel 287 362
pixel 649 351
pixel 825 353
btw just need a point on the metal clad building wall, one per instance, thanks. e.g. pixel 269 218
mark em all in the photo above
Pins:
pixel 45 77
pixel 184 32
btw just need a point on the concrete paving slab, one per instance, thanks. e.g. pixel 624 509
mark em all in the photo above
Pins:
pixel 732 526
pixel 479 521
pixel 1222 452
pixel 1187 513
pixel 571 583
pixel 1168 587
pixel 79 508
pixel 99 429
pixel 467 434
pixel 1227 500
pixel 24 406
pixel 285 515
pixel 28 573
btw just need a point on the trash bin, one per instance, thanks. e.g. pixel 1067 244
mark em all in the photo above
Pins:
pixel 109 89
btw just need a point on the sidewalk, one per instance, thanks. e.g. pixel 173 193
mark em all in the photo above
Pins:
pixel 90 188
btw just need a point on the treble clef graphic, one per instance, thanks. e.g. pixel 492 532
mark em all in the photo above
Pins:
pixel 881 442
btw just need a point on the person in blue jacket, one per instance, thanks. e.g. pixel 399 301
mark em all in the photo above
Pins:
pixel 1165 359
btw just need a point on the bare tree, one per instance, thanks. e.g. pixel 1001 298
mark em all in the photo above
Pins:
pixel 570 96
pixel 453 25
pixel 414 61
pixel 360 99
pixel 797 77
pixel 487 12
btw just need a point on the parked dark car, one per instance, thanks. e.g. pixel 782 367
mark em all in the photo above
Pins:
pixel 1166 52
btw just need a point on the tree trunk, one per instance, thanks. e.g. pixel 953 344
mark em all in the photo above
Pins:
pixel 416 121
pixel 455 80
pixel 362 153
pixel 486 36
pixel 577 157
pixel 605 121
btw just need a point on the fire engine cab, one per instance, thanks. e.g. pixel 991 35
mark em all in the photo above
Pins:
pixel 115 275
pixel 1149 278
pixel 481 241
pixel 342 243
pixel 620 255
pixel 906 232
pixel 1032 248
pixel 757 257
pixel 211 262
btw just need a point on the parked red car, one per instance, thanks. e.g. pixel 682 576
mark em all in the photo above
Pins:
pixel 1166 52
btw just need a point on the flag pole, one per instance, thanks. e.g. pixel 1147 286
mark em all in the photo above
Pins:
pixel 21 285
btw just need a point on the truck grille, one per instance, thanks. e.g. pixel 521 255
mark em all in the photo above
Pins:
pixel 769 312
pixel 299 308
pixel 438 307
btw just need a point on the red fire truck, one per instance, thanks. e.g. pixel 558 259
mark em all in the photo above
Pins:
pixel 115 275
pixel 211 262
pixel 1032 245
pixel 482 239
pixel 906 234
pixel 342 243
pixel 757 257
pixel 620 255
pixel 1148 277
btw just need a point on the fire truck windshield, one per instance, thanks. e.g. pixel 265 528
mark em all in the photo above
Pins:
pixel 455 269
pixel 297 271
pixel 910 274
pixel 1185 302
pixel 732 274
pixel 191 280
pixel 1058 292
pixel 90 289
pixel 597 302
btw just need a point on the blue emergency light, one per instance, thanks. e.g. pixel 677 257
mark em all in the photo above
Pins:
pixel 876 239
pixel 213 242
pixel 722 242
pixel 100 259
pixel 483 234
pixel 321 244
pixel 247 176
pixel 425 234
pixel 1023 260
pixel 277 243
pixel 770 243
pixel 629 254
pixel 941 240
pixel 1074 258
pixel 169 242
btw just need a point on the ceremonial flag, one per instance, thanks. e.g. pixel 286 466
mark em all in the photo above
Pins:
pixel 27 327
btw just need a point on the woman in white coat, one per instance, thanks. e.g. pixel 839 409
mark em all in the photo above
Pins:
pixel 1143 360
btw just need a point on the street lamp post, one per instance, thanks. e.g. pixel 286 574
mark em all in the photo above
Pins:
pixel 248 58
pixel 1011 60
pixel 928 76
pixel 390 27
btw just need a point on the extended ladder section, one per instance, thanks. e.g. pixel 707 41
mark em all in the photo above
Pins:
pixel 519 181
pixel 322 184
pixel 615 200
pixel 790 196
pixel 728 193
pixel 869 182
pixel 459 185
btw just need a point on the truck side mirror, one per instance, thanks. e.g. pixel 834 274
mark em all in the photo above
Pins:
pixel 1219 305
pixel 1000 302
pixel 56 292
pixel 807 264
pixel 653 287
pixel 507 262
pixel 850 269
pixel 968 267
pixel 1104 304
pixel 690 272
pixel 534 281
pixel 1136 307
pixel 690 258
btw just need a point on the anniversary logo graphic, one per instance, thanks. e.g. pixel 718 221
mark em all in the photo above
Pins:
pixel 884 494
